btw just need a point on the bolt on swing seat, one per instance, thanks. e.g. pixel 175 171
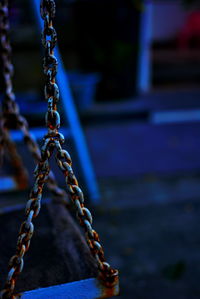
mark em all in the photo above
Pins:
pixel 57 235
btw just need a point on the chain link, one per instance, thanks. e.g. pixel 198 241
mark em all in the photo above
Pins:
pixel 16 263
pixel 63 158
pixel 107 274
pixel 20 173
pixel 53 141
pixel 10 106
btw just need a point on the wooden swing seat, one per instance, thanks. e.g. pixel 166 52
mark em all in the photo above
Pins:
pixel 59 262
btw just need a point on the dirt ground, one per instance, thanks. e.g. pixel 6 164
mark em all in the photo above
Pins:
pixel 155 246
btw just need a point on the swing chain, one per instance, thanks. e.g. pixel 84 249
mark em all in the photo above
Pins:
pixel 8 70
pixel 32 210
pixel 10 105
pixel 49 38
pixel 107 274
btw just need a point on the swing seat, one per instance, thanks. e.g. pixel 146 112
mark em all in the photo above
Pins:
pixel 59 264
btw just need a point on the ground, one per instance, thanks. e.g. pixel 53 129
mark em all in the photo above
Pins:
pixel 155 246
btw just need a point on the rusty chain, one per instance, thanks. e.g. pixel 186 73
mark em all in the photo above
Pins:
pixel 11 113
pixel 49 39
pixel 53 140
pixel 20 173
pixel 7 72
pixel 106 273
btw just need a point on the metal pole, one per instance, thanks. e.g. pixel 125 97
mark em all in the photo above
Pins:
pixel 144 57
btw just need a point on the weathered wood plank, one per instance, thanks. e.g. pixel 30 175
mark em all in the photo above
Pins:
pixel 84 289
pixel 58 253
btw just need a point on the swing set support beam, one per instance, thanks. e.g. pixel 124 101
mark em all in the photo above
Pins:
pixel 88 289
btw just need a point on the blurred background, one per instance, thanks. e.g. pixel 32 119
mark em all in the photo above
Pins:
pixel 133 69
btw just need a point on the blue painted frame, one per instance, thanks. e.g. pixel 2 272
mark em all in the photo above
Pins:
pixel 144 56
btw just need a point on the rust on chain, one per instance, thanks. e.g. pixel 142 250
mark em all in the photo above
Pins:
pixel 20 173
pixel 108 291
pixel 49 38
pixel 53 141
pixel 9 104
pixel 107 274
